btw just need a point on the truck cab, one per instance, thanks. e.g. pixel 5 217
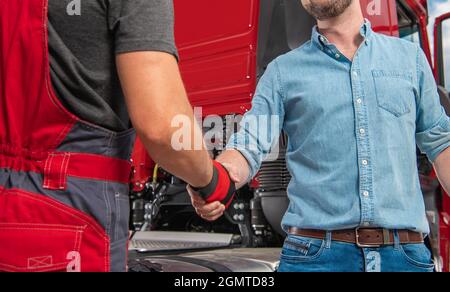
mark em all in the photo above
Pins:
pixel 225 47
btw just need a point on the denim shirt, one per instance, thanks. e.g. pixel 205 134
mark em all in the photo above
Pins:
pixel 352 129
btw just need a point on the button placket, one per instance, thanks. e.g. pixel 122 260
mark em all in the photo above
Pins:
pixel 363 146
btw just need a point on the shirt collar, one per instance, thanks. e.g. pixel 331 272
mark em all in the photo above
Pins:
pixel 321 41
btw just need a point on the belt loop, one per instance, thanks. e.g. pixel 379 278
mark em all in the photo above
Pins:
pixel 55 171
pixel 386 237
pixel 396 240
pixel 328 240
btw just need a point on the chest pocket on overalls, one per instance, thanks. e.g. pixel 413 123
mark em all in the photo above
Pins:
pixel 394 91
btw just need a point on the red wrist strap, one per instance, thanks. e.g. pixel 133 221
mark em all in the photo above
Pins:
pixel 223 190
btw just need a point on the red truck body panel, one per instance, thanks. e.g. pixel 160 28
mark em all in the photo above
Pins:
pixel 217 44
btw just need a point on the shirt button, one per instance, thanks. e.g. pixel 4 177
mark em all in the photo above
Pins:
pixel 355 73
pixel 362 131
pixel 359 101
pixel 337 56
pixel 366 224
pixel 365 193
pixel 365 162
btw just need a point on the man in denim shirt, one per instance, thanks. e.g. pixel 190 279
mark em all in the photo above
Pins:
pixel 354 105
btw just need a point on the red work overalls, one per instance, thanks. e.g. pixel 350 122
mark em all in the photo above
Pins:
pixel 63 181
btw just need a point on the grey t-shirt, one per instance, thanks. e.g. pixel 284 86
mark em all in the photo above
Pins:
pixel 84 38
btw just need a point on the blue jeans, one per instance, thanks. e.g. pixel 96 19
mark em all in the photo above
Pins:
pixel 302 254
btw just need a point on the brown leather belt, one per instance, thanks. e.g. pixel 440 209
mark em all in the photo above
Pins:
pixel 362 237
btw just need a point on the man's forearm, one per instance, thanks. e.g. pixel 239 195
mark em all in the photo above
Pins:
pixel 193 166
pixel 237 166
pixel 442 167
pixel 155 95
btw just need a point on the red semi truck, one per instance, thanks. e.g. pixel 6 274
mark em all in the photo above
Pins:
pixel 224 47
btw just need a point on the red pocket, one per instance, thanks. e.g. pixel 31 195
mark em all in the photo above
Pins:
pixel 29 247
pixel 39 233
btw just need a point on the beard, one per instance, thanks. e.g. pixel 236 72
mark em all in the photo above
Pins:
pixel 322 10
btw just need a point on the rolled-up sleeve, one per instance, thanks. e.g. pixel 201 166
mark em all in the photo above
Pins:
pixel 260 128
pixel 432 124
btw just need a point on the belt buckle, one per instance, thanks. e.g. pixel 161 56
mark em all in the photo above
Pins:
pixel 360 245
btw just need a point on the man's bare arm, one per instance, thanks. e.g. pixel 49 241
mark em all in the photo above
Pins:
pixel 155 94
pixel 442 167
pixel 237 166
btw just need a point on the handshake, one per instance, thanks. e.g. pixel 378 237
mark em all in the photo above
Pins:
pixel 211 201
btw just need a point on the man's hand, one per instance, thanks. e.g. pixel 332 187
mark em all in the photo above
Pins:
pixel 236 165
pixel 215 210
pixel 442 167
pixel 210 212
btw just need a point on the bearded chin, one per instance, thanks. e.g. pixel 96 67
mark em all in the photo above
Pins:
pixel 330 9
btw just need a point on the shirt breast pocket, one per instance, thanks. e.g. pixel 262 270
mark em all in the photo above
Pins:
pixel 394 91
